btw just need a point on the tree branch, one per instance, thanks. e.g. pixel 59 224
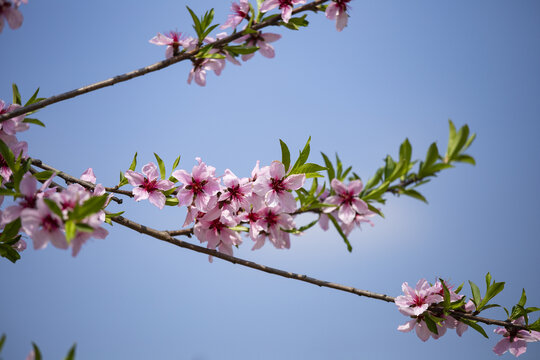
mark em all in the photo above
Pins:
pixel 148 69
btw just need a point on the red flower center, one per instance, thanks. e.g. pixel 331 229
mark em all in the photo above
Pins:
pixel 148 185
pixel 277 185
pixel 50 224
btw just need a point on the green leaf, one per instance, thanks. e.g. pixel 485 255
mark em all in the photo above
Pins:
pixel 8 156
pixel 209 30
pixel 532 309
pixel 196 23
pixel 241 49
pixel 375 179
pixel 389 167
pixel 2 341
pixel 71 354
pixel 84 227
pixel 469 142
pixel 161 165
pixel 33 98
pixel 414 194
pixel 111 215
pixel 11 230
pixel 375 210
pixel 8 192
pixel 302 158
pixel 37 353
pixel 465 159
pixel 376 193
pixel 309 168
pixel 432 326
pixel 475 326
pixel 339 168
pixel 340 231
pixel 446 293
pixel 133 163
pixel 54 207
pixel 176 162
pixel 9 253
pixel 491 292
pixel 405 151
pixel 16 94
pixel 43 175
pixel 523 298
pixel 89 207
pixel 33 121
pixel 329 167
pixel 285 155
pixel 171 202
pixel 70 230
pixel 477 299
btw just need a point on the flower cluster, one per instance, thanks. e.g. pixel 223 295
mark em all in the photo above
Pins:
pixel 42 213
pixel 349 209
pixel 219 205
pixel 415 303
pixel 176 42
pixel 515 341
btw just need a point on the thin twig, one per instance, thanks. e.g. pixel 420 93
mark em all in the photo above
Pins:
pixel 71 179
pixel 190 55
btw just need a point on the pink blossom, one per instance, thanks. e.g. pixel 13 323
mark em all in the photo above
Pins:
pixel 13 125
pixel 347 199
pixel 285 6
pixel 149 187
pixel 30 195
pixel 42 225
pixel 18 148
pixel 236 191
pixel 200 187
pixel 275 186
pixel 422 331
pixel 198 72
pixel 261 41
pixel 173 40
pixel 240 11
pixel 88 175
pixel 12 15
pixel 359 219
pixel 416 301
pixel 213 228
pixel 514 341
pixel 272 220
pixel 337 10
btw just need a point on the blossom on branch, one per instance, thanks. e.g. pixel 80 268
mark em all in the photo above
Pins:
pixel 285 6
pixel 337 10
pixel 200 187
pixel 275 186
pixel 515 341
pixel 149 187
pixel 13 125
pixel 173 40
pixel 240 11
pixel 261 41
pixel 347 200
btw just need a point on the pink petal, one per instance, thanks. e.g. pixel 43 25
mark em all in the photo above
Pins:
pixel 134 178
pixel 294 182
pixel 140 194
pixel 157 198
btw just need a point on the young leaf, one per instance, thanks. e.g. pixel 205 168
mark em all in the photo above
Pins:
pixel 475 326
pixel 465 159
pixel 11 230
pixel 196 23
pixel 340 231
pixel 432 326
pixel 70 230
pixel 309 168
pixel 477 299
pixel 329 167
pixel 9 253
pixel 161 165
pixel 33 98
pixel 71 354
pixel 33 121
pixel 285 155
pixel 2 341
pixel 414 194
pixel 523 298
pixel 53 207
pixel 16 94
pixel 37 353
pixel 133 163
pixel 176 162
pixel 302 158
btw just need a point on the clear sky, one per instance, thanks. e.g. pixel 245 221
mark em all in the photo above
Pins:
pixel 400 69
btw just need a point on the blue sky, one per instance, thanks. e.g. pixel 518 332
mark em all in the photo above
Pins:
pixel 400 69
